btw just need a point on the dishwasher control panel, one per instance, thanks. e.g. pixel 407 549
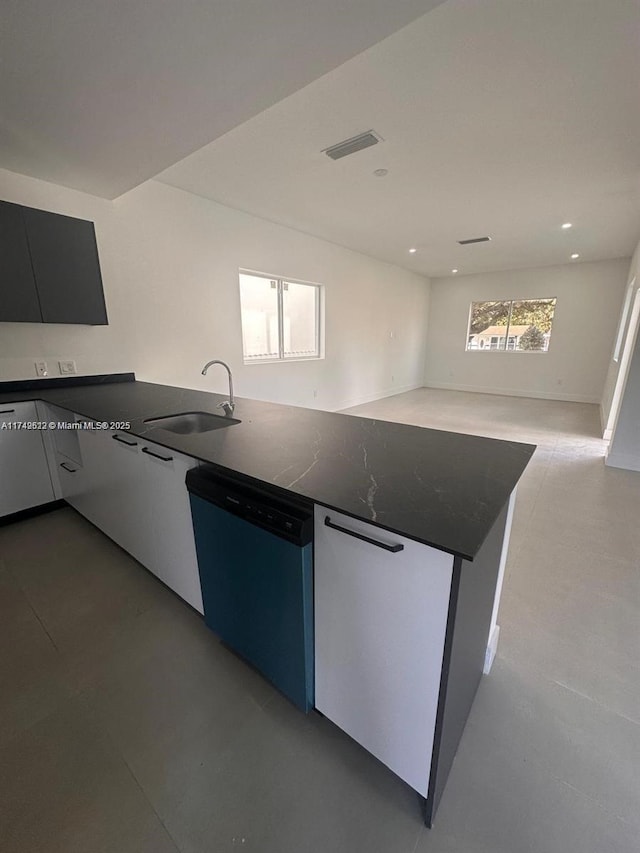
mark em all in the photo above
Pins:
pixel 291 519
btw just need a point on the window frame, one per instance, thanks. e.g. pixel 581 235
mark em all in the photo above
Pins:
pixel 468 348
pixel 319 318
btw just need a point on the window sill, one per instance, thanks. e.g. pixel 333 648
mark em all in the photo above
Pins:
pixel 283 360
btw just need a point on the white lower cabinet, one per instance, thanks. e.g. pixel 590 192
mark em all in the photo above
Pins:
pixel 131 489
pixel 70 477
pixel 25 481
pixel 63 451
pixel 174 558
pixel 114 497
pixel 380 622
pixel 135 493
pixel 62 432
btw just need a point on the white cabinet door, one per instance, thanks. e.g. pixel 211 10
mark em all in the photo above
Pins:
pixel 70 478
pixel 92 503
pixel 65 437
pixel 115 496
pixel 380 621
pixel 130 515
pixel 63 452
pixel 24 473
pixel 170 530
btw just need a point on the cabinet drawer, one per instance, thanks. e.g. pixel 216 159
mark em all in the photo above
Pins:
pixel 381 606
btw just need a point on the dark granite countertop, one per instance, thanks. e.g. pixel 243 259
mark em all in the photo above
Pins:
pixel 441 488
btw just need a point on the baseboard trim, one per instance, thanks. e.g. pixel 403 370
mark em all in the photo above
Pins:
pixel 628 461
pixel 32 511
pixel 606 433
pixel 513 392
pixel 379 395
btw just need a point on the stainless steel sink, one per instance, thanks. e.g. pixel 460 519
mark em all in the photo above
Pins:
pixel 188 423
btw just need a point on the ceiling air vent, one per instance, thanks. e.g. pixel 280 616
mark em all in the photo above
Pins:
pixel 350 146
pixel 474 240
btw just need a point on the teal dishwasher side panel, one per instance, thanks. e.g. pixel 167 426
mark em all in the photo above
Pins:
pixel 258 597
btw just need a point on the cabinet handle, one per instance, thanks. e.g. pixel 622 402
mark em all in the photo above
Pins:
pixel 393 548
pixel 124 441
pixel 157 455
pixel 7 411
pixel 66 468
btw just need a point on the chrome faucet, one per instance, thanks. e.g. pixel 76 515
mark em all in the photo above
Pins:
pixel 228 405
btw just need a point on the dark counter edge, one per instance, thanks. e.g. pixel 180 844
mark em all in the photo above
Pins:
pixel 30 385
pixel 468 623
pixel 285 493
pixel 53 382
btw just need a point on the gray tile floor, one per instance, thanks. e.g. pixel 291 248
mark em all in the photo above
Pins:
pixel 125 726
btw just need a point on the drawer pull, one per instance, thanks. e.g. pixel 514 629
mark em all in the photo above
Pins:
pixel 124 441
pixel 157 455
pixel 393 548
pixel 67 468
pixel 7 411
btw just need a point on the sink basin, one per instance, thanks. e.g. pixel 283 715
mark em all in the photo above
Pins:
pixel 188 423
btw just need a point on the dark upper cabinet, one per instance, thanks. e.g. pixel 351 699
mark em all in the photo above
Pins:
pixel 64 256
pixel 18 294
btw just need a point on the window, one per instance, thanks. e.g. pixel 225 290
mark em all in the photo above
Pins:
pixel 280 318
pixel 518 325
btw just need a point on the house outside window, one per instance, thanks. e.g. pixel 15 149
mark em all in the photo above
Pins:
pixel 518 325
pixel 281 318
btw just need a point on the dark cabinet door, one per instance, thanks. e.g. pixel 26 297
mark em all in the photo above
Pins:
pixel 65 262
pixel 18 294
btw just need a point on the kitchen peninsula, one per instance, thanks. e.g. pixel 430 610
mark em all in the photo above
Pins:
pixel 411 530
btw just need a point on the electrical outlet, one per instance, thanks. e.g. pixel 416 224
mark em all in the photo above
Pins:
pixel 67 367
pixel 41 368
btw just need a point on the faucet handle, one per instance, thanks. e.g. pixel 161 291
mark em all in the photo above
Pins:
pixel 227 406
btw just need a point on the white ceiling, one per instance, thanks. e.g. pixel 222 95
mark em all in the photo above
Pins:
pixel 101 95
pixel 499 117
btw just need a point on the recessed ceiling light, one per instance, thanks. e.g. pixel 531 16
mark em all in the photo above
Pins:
pixel 454 271
pixel 380 173
pixel 412 251
pixel 566 225
pixel 574 256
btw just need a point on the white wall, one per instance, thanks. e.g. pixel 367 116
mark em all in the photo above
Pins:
pixel 170 264
pixel 589 298
pixel 614 366
pixel 624 448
